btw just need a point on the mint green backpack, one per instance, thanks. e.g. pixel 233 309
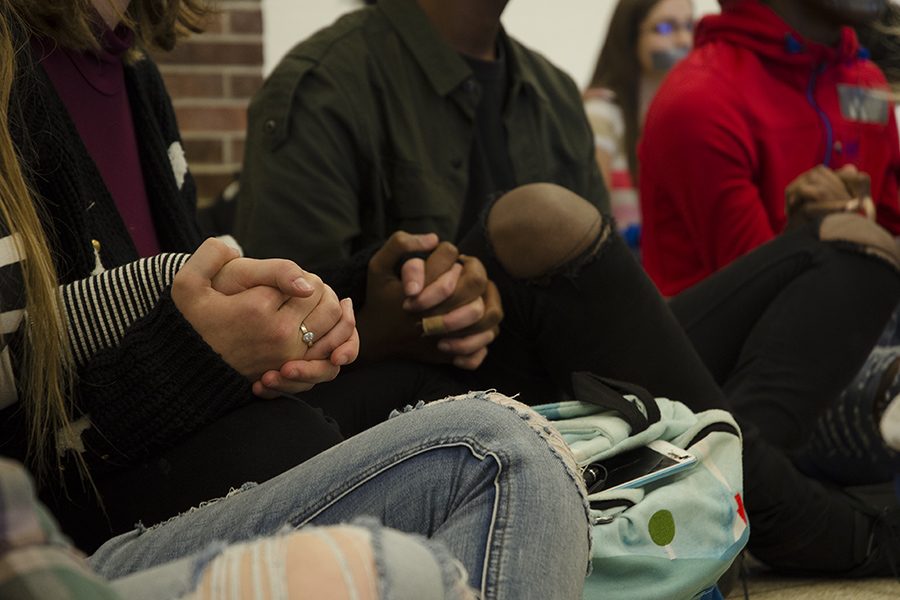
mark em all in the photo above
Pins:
pixel 673 538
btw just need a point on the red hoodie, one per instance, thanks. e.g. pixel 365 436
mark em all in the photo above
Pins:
pixel 753 106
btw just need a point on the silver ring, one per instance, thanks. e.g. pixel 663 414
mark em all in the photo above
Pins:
pixel 308 337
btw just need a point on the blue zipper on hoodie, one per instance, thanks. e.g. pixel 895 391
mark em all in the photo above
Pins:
pixel 829 131
pixel 794 46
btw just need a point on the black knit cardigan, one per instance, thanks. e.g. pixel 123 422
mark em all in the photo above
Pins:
pixel 163 381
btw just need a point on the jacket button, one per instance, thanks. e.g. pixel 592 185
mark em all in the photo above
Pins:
pixel 838 147
pixel 269 126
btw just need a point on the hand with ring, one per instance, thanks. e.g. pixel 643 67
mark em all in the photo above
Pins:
pixel 262 303
pixel 328 348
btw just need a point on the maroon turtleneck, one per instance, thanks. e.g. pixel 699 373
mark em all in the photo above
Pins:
pixel 92 87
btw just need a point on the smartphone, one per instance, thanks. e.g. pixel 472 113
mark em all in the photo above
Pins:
pixel 637 467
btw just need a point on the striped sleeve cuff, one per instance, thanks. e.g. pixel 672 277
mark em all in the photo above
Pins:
pixel 12 300
pixel 101 308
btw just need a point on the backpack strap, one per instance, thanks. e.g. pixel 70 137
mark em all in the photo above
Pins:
pixel 635 404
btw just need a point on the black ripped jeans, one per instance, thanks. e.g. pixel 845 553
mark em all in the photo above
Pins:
pixel 774 338
pixel 786 328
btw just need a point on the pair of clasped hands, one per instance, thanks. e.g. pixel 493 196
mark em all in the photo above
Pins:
pixel 249 311
pixel 822 191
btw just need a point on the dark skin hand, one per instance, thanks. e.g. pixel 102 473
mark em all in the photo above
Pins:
pixel 451 288
pixel 470 311
pixel 821 191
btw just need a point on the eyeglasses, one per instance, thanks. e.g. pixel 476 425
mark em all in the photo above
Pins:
pixel 670 26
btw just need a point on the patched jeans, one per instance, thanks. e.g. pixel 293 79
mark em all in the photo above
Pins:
pixel 480 474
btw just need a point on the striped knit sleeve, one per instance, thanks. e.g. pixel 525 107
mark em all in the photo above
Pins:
pixel 12 287
pixel 101 308
pixel 12 310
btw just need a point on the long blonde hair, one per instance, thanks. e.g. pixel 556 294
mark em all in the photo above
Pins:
pixel 46 373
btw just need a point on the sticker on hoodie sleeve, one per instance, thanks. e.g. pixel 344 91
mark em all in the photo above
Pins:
pixel 863 105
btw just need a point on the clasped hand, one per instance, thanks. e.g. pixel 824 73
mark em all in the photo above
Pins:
pixel 249 311
pixel 449 290
pixel 821 190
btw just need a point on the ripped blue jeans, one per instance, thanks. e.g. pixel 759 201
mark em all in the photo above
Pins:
pixel 480 474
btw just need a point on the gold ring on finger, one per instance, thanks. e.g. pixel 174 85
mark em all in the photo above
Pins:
pixel 308 337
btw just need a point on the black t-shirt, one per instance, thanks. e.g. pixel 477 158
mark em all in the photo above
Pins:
pixel 490 168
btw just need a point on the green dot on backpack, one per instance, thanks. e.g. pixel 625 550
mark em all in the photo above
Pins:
pixel 662 528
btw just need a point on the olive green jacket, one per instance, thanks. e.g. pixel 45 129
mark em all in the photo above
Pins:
pixel 366 128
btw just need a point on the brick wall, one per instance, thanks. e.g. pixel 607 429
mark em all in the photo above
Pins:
pixel 211 78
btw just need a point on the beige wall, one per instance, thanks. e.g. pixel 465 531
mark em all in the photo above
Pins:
pixel 568 32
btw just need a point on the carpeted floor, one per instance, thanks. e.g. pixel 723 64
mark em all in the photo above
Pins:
pixel 762 584
pixel 770 587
